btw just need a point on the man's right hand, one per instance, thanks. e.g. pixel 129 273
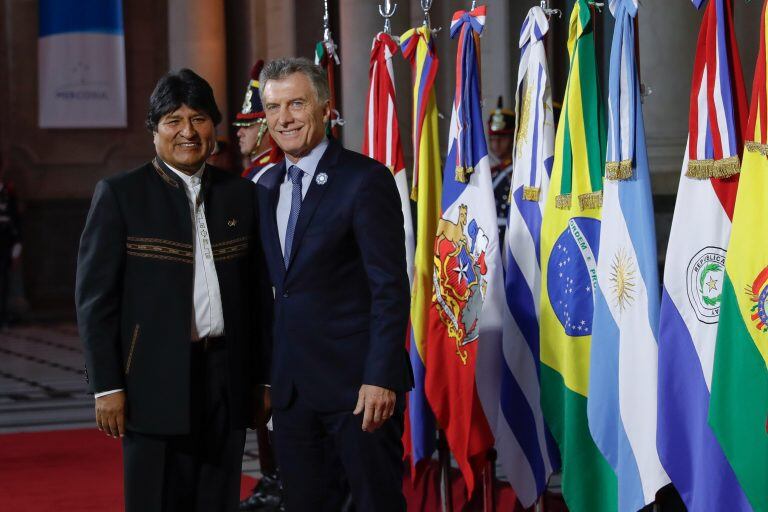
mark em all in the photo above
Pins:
pixel 110 414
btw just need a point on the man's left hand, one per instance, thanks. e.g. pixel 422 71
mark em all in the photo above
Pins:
pixel 377 403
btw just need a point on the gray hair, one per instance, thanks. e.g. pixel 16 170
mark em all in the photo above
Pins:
pixel 283 67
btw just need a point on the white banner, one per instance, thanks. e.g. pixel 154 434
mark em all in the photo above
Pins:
pixel 81 64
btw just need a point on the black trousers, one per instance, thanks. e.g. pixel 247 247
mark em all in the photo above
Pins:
pixel 372 462
pixel 196 472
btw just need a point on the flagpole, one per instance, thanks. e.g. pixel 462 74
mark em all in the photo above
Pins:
pixel 330 53
pixel 489 476
pixel 444 454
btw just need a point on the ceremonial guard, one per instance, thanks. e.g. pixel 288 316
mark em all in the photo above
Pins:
pixel 501 131
pixel 256 145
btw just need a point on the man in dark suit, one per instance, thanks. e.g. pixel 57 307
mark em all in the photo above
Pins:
pixel 332 231
pixel 167 286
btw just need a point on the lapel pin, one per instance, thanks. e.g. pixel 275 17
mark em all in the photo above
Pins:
pixel 232 223
pixel 321 179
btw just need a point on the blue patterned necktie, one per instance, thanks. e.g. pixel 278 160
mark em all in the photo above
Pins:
pixel 295 174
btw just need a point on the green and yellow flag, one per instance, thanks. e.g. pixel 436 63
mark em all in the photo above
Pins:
pixel 738 409
pixel 570 238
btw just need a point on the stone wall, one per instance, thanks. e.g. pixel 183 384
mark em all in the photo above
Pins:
pixel 55 171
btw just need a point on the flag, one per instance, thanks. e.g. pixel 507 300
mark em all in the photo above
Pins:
pixel 381 137
pixel 570 237
pixel 419 49
pixel 81 64
pixel 526 450
pixel 738 410
pixel 623 365
pixel 327 57
pixel 465 318
pixel 694 270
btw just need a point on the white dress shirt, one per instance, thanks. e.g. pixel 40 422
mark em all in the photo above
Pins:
pixel 208 318
pixel 308 164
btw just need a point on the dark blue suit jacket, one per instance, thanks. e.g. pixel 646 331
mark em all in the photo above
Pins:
pixel 341 307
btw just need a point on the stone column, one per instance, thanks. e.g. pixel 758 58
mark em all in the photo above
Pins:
pixel 360 21
pixel 499 51
pixel 667 49
pixel 197 40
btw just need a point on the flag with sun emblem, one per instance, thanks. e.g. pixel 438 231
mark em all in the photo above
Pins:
pixel 570 247
pixel 738 410
pixel 624 355
pixel 694 270
pixel 465 318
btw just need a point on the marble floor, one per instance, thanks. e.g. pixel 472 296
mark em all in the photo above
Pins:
pixel 42 384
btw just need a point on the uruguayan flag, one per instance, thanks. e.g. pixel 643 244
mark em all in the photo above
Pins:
pixel 526 452
pixel 81 64
pixel 624 354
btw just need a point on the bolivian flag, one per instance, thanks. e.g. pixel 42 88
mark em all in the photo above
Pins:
pixel 738 410
pixel 570 238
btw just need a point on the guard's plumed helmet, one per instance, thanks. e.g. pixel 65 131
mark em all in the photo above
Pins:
pixel 502 120
pixel 252 111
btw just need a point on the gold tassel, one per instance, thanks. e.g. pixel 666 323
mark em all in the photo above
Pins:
pixel 727 167
pixel 591 200
pixel 463 174
pixel 415 194
pixel 530 194
pixel 563 202
pixel 618 170
pixel 724 168
pixel 756 147
pixel 700 169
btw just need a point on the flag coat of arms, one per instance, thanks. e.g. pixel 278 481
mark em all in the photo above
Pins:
pixel 695 269
pixel 381 138
pixel 418 48
pixel 465 318
pixel 738 410
pixel 570 237
pixel 525 447
pixel 624 355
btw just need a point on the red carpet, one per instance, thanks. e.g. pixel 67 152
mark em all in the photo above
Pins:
pixel 81 471
pixel 65 471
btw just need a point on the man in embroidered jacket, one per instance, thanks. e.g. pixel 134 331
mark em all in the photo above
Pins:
pixel 168 290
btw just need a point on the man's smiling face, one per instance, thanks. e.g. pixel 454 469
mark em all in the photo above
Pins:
pixel 185 138
pixel 295 117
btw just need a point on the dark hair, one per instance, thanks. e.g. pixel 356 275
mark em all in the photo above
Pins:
pixel 278 69
pixel 177 88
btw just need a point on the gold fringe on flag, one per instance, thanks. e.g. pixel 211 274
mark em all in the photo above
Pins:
pixel 591 200
pixel 463 174
pixel 756 147
pixel 706 169
pixel 530 194
pixel 563 202
pixel 618 170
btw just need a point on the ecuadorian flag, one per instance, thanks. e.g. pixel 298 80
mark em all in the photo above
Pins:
pixel 570 247
pixel 418 48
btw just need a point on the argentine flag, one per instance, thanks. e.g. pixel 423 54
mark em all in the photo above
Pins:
pixel 81 64
pixel 526 450
pixel 624 356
